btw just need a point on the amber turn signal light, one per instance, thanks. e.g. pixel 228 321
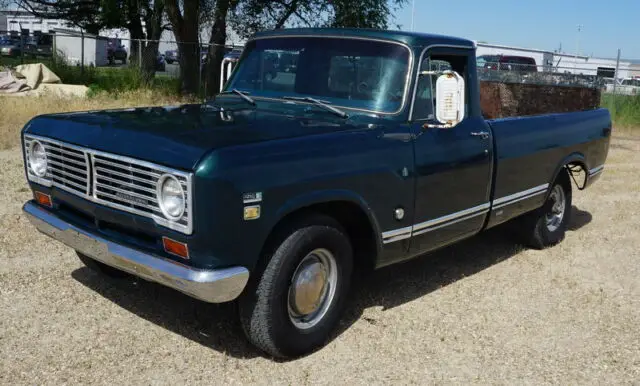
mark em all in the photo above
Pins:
pixel 43 199
pixel 175 248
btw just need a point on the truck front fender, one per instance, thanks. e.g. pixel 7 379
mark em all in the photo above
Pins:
pixel 313 199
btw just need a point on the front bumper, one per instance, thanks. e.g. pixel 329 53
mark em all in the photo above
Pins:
pixel 213 286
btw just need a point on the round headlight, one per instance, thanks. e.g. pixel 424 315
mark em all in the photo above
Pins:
pixel 37 159
pixel 171 197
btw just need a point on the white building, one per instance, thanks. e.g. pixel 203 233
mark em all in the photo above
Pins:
pixel 561 62
pixel 70 43
pixel 15 22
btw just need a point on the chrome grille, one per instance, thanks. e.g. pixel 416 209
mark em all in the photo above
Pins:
pixel 130 185
pixel 118 182
pixel 68 166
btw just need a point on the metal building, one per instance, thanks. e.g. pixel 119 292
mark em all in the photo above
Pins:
pixel 551 61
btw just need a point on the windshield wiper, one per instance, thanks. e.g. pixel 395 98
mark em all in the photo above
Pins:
pixel 323 104
pixel 242 94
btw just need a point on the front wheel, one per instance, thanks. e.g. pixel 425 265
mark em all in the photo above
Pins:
pixel 547 225
pixel 293 307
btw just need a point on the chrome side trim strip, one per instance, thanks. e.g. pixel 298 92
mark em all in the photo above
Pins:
pixel 520 195
pixel 396 238
pixel 596 170
pixel 484 211
pixel 463 215
pixel 450 217
pixel 519 199
pixel 396 235
pixel 437 223
pixel 396 232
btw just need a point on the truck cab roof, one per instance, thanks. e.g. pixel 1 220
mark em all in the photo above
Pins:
pixel 409 38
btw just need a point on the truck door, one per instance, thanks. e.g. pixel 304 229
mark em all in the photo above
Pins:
pixel 453 167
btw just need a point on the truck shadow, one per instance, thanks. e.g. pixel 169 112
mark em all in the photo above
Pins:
pixel 415 278
pixel 216 326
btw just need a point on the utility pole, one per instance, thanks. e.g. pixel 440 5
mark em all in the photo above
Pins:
pixel 575 62
pixel 413 11
pixel 615 74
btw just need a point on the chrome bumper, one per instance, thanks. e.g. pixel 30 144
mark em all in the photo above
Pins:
pixel 213 286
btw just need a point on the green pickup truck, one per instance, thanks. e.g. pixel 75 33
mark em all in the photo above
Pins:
pixel 371 150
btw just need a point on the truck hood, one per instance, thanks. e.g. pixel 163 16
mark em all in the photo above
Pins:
pixel 177 136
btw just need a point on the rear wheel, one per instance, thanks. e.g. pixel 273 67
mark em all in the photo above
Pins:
pixel 100 267
pixel 294 305
pixel 547 225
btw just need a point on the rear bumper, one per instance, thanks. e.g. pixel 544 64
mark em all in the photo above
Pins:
pixel 213 286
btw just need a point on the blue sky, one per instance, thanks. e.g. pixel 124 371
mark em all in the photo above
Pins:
pixel 543 24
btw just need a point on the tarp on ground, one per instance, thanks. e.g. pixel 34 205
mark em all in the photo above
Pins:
pixel 36 79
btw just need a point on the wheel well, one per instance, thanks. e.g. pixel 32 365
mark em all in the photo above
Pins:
pixel 350 216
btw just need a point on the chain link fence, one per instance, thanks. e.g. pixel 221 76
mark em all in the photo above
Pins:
pixel 95 57
pixel 544 75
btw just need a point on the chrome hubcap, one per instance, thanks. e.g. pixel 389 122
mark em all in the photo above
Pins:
pixel 556 213
pixel 312 288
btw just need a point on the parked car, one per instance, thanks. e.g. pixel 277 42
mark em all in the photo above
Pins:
pixel 274 193
pixel 629 86
pixel 38 45
pixel 171 56
pixel 116 51
pixel 11 46
pixel 522 64
pixel 42 50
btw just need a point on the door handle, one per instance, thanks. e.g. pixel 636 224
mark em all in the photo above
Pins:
pixel 481 134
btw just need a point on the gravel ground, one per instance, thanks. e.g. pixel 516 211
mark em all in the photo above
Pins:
pixel 483 311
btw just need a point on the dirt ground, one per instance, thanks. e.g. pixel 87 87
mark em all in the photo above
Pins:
pixel 483 311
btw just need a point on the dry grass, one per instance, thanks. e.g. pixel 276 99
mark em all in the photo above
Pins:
pixel 484 311
pixel 15 112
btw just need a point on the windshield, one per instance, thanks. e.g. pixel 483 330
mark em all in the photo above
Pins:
pixel 362 74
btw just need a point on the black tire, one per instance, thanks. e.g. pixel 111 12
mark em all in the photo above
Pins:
pixel 536 232
pixel 100 267
pixel 265 308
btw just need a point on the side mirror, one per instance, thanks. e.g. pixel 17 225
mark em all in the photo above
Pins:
pixel 226 68
pixel 450 106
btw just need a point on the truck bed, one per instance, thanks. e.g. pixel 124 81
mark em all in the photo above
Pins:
pixel 530 151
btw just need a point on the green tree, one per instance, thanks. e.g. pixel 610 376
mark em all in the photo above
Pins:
pixel 144 19
pixel 363 13
pixel 94 15
pixel 184 16
pixel 84 14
